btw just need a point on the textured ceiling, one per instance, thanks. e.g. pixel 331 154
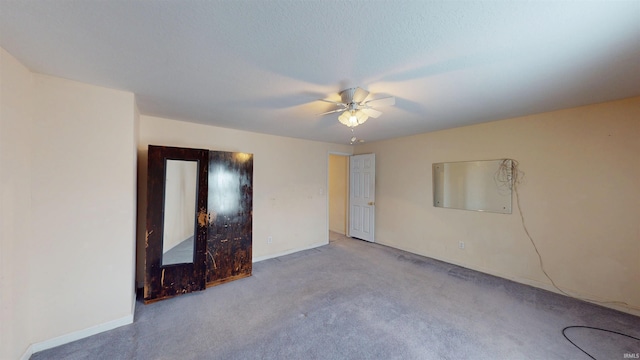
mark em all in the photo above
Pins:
pixel 262 65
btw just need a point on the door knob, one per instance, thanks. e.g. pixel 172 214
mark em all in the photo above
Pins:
pixel 371 203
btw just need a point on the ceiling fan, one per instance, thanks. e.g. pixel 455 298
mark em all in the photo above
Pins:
pixel 355 108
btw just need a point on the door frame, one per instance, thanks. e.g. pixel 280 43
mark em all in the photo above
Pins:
pixel 348 156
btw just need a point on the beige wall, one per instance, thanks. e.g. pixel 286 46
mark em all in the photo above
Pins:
pixel 289 182
pixel 16 222
pixel 580 198
pixel 338 175
pixel 72 168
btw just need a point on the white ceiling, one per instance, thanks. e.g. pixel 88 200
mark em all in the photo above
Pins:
pixel 262 65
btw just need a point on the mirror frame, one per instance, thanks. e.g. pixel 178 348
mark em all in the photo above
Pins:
pixel 174 279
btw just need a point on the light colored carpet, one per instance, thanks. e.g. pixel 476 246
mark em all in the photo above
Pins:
pixel 356 300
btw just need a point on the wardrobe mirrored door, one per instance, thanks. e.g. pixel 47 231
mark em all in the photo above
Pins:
pixel 176 236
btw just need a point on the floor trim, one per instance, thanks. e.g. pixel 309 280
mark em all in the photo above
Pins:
pixel 76 335
pixel 267 257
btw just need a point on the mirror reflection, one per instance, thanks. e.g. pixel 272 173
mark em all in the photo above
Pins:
pixel 181 180
pixel 473 185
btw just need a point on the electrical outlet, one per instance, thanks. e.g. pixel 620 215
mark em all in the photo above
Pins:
pixel 269 240
pixel 461 244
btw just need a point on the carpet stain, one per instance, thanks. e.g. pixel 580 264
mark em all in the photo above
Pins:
pixel 462 273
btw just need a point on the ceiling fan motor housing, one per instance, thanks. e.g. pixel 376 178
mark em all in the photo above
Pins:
pixel 347 95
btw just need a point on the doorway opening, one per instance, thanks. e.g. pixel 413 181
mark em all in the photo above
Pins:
pixel 338 194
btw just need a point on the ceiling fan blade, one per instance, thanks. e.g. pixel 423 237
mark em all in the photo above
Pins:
pixel 359 95
pixel 332 102
pixel 386 101
pixel 371 112
pixel 331 112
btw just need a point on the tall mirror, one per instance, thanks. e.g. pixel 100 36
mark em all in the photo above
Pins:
pixel 473 185
pixel 180 190
pixel 176 236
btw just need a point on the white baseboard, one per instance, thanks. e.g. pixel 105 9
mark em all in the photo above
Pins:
pixel 27 354
pixel 573 293
pixel 76 335
pixel 267 257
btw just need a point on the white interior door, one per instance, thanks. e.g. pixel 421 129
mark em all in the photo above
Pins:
pixel 362 196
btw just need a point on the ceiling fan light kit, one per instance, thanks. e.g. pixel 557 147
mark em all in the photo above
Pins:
pixel 352 118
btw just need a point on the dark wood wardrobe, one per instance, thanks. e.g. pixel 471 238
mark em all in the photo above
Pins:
pixel 199 220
